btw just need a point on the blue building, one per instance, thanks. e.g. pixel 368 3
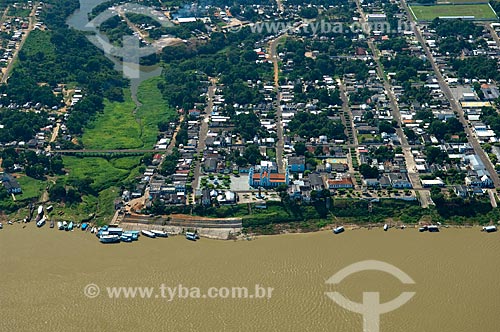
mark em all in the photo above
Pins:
pixel 297 164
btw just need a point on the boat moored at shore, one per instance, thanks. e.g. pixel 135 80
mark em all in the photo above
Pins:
pixel 159 233
pixel 489 229
pixel 109 239
pixel 192 236
pixel 386 227
pixel 148 233
pixel 40 222
pixel 433 228
pixel 338 230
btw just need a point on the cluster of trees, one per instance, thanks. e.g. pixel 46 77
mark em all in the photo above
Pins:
pixel 115 29
pixel 368 172
pixel 435 155
pixel 169 164
pixel 61 193
pixel 83 112
pixel 239 92
pixel 224 56
pixel 452 205
pixel 311 125
pixel 361 96
pixel 453 45
pixel 383 153
pixel 181 88
pixel 420 94
pixel 447 28
pixel 443 130
pixel 490 117
pixel 324 96
pixel 247 125
pixel 481 67
pixel 405 66
pixel 396 44
pixel 62 55
pixel 309 12
pixel 36 165
pixel 21 126
pixel 313 69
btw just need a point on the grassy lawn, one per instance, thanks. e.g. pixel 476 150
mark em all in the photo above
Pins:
pixel 105 173
pixel 153 110
pixel 18 12
pixel 32 188
pixel 428 13
pixel 119 128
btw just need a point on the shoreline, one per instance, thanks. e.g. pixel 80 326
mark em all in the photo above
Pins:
pixel 236 234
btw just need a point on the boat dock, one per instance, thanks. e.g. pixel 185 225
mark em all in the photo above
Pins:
pixel 179 224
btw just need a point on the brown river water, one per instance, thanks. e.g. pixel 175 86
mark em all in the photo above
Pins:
pixel 44 272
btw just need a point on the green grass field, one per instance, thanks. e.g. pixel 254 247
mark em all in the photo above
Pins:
pixel 105 173
pixel 115 128
pixel 428 13
pixel 119 128
pixel 153 110
pixel 460 1
pixel 32 188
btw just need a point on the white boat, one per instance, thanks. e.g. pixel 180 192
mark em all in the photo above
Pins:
pixel 109 239
pixel 60 225
pixel 148 234
pixel 386 227
pixel 433 228
pixel 1 225
pixel 9 222
pixel 40 210
pixel 338 230
pixel 191 236
pixel 40 222
pixel 159 233
pixel 489 229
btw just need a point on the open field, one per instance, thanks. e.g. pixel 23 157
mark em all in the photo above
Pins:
pixel 119 128
pixel 115 128
pixel 152 111
pixel 428 13
pixel 32 188
pixel 105 173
